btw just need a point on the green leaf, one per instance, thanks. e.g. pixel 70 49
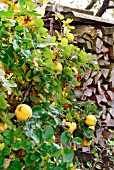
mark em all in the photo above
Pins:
pixel 38 111
pixel 34 99
pixel 69 154
pixel 77 140
pixel 31 4
pixel 50 64
pixel 6 151
pixel 39 135
pixel 18 28
pixel 89 164
pixel 65 138
pixel 26 53
pixel 47 52
pixel 22 2
pixel 10 83
pixel 48 133
pixel 28 160
pixel 35 157
pixel 3 103
pixel 2 73
pixel 95 64
pixel 1 161
pixel 16 145
pixel 18 131
pixel 42 97
pixel 8 134
pixel 6 14
pixel 39 22
pixel 70 36
pixel 58 168
pixel 64 41
pixel 16 46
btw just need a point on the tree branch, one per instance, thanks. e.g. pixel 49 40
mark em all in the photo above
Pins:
pixel 103 8
pixel 89 6
pixel 110 7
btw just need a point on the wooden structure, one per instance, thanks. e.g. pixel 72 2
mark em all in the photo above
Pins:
pixel 96 35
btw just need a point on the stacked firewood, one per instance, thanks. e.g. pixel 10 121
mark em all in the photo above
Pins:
pixel 98 86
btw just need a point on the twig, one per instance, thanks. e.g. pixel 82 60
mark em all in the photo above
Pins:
pixel 26 93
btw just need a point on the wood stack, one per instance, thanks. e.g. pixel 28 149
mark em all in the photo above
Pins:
pixel 98 86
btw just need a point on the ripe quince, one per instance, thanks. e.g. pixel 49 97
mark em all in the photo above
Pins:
pixel 85 142
pixel 3 126
pixel 23 112
pixel 72 127
pixel 90 120
pixel 92 127
pixel 59 66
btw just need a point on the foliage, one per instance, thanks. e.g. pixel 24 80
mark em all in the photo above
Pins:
pixel 28 74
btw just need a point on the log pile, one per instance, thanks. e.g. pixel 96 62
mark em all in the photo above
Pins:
pixel 96 35
pixel 98 86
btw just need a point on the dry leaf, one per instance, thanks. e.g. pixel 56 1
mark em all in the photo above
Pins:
pixel 6 163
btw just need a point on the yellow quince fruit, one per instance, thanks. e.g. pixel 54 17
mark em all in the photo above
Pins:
pixel 72 127
pixel 3 126
pixel 92 127
pixel 59 66
pixel 90 120
pixel 85 142
pixel 23 112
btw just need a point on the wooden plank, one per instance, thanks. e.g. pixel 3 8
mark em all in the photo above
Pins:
pixel 108 30
pixel 108 40
pixel 80 17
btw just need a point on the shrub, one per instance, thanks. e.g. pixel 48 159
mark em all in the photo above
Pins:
pixel 43 72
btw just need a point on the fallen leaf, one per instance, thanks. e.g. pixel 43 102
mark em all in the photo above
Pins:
pixel 6 163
